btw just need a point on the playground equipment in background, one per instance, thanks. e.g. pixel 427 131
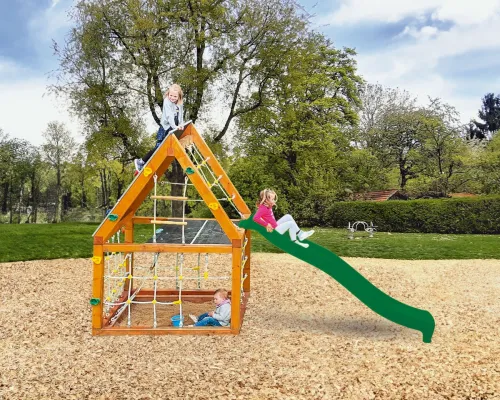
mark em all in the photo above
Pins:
pixel 354 227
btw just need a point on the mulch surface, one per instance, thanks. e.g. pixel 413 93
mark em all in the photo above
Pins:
pixel 304 337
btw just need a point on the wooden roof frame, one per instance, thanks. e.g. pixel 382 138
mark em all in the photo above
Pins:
pixel 143 183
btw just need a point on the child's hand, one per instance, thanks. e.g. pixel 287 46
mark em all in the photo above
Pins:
pixel 269 228
pixel 211 314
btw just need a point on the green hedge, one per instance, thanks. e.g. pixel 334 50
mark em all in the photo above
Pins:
pixel 470 215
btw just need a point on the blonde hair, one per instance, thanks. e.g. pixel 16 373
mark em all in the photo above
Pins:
pixel 265 195
pixel 222 292
pixel 175 88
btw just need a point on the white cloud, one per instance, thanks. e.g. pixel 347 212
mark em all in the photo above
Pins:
pixel 26 111
pixel 423 33
pixel 421 57
pixel 25 105
pixel 463 12
pixel 414 66
pixel 425 54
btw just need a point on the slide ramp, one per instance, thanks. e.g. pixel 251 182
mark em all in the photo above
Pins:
pixel 327 261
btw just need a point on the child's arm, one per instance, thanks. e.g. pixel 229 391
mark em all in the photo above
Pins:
pixel 224 313
pixel 260 215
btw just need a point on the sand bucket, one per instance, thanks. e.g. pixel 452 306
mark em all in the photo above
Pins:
pixel 176 320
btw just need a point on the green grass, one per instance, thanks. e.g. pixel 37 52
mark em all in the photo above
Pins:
pixel 74 240
pixel 401 246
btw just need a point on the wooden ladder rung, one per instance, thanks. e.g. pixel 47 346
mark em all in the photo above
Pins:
pixel 168 222
pixel 169 198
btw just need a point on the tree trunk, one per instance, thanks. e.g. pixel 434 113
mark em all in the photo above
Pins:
pixel 10 202
pixel 104 188
pixel 84 194
pixel 20 203
pixel 5 199
pixel 176 175
pixel 119 188
pixel 58 211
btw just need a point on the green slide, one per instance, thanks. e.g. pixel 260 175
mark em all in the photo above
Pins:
pixel 352 280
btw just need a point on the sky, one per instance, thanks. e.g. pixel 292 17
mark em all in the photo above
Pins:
pixel 439 48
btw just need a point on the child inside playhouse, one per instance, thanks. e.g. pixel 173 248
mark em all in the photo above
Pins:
pixel 265 217
pixel 221 316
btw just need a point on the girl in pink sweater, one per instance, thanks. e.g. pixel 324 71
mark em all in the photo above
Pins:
pixel 265 217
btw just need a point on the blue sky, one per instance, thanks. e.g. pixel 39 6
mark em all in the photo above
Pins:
pixel 439 48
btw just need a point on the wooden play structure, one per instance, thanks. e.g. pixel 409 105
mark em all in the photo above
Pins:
pixel 119 287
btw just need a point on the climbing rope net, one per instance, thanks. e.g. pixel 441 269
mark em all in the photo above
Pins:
pixel 121 270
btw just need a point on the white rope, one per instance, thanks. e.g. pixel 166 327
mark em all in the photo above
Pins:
pixel 155 177
pixel 199 231
pixel 155 287
pixel 216 179
pixel 184 210
pixel 168 278
pixel 181 323
pixel 199 272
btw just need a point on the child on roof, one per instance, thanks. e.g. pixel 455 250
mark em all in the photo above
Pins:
pixel 171 118
pixel 265 217
pixel 221 316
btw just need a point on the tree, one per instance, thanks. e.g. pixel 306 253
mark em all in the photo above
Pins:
pixel 442 146
pixel 297 137
pixel 397 140
pixel 489 166
pixel 16 162
pixel 58 150
pixel 120 54
pixel 490 116
pixel 376 101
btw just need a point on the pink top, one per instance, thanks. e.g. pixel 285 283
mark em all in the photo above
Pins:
pixel 264 216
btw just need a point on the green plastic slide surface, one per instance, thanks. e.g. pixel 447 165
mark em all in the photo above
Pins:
pixel 352 280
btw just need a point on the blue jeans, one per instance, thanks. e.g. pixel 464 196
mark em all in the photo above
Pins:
pixel 205 320
pixel 160 137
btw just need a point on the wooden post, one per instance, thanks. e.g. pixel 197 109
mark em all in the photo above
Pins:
pixel 246 269
pixel 98 287
pixel 236 288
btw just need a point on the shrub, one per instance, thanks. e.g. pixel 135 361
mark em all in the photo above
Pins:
pixel 467 215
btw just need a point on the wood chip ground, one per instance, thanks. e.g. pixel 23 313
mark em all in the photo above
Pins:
pixel 304 337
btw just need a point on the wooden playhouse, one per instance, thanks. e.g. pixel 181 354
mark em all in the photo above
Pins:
pixel 155 278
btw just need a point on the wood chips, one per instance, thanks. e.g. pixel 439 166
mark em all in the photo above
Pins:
pixel 304 337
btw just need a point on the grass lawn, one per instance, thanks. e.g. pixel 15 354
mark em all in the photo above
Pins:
pixel 74 240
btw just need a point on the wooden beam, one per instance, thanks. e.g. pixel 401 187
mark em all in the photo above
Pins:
pixel 147 330
pixel 236 290
pixel 167 248
pixel 145 220
pixel 98 286
pixel 180 198
pixel 156 221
